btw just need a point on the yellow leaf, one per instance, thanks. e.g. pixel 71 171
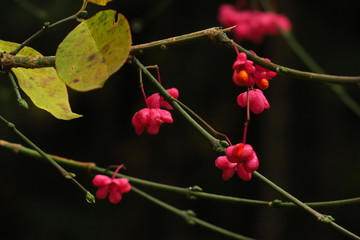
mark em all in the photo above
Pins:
pixel 42 85
pixel 93 51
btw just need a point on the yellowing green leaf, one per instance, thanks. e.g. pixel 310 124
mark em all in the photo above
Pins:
pixel 93 51
pixel 99 2
pixel 42 85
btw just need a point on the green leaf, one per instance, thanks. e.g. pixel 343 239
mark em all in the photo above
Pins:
pixel 93 51
pixel 42 85
pixel 99 2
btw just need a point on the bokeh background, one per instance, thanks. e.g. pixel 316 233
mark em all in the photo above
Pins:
pixel 308 142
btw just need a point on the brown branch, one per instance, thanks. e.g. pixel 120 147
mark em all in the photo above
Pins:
pixel 8 61
pixel 64 161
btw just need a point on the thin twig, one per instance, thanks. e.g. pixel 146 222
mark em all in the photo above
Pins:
pixel 191 192
pixel 189 216
pixel 223 39
pixel 20 100
pixel 218 35
pixel 319 216
pixel 68 175
pixel 48 26
pixel 216 143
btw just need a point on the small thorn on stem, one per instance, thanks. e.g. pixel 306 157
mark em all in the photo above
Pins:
pixel 90 198
pixel 21 101
pixel 326 219
pixel 70 175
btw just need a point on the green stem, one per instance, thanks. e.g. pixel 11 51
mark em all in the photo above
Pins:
pixel 223 39
pixel 320 217
pixel 216 143
pixel 32 145
pixel 288 196
pixel 313 66
pixel 192 192
pixel 48 26
pixel 344 231
pixel 189 216
pixel 32 153
pixel 20 100
pixel 334 203
pixel 65 173
pixel 187 191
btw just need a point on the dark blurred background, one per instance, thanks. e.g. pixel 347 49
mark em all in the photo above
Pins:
pixel 308 142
